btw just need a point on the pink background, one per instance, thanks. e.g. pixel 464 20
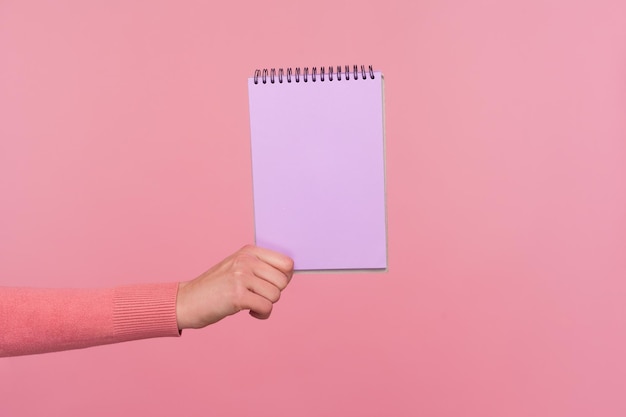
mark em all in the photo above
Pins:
pixel 124 157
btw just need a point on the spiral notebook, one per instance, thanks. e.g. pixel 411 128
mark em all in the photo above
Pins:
pixel 318 166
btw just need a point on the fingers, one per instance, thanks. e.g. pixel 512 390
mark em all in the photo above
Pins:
pixel 271 272
pixel 250 279
pixel 272 275
pixel 260 307
pixel 265 289
pixel 279 261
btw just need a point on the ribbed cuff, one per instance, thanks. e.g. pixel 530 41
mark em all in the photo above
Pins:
pixel 145 311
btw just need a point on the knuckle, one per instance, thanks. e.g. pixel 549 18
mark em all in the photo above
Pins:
pixel 266 309
pixel 289 264
pixel 239 291
pixel 283 283
pixel 286 266
pixel 275 296
pixel 247 248
pixel 238 275
pixel 242 261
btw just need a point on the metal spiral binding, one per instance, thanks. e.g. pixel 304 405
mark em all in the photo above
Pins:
pixel 334 73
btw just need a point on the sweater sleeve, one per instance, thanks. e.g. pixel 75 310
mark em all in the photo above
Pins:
pixel 47 320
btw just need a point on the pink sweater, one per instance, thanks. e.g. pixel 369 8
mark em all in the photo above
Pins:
pixel 46 320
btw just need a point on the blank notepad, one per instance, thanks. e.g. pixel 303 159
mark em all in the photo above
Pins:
pixel 317 139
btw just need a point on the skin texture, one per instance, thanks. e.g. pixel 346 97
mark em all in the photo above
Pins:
pixel 36 320
pixel 250 279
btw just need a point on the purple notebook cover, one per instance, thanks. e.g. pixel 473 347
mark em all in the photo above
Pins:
pixel 318 170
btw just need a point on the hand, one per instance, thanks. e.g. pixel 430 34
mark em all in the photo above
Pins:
pixel 250 279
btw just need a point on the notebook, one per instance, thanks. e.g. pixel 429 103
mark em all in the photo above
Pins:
pixel 318 166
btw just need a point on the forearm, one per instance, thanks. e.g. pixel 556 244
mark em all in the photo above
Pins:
pixel 46 320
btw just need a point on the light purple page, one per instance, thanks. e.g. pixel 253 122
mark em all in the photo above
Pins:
pixel 318 171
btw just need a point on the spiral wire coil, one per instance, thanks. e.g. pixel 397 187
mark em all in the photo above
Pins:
pixel 305 75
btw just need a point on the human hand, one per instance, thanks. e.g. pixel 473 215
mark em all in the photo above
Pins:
pixel 250 279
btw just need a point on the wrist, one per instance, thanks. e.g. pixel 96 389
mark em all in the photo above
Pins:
pixel 180 311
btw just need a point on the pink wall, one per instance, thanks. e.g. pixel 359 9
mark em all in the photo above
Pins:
pixel 124 157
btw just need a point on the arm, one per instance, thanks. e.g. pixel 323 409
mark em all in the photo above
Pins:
pixel 45 320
